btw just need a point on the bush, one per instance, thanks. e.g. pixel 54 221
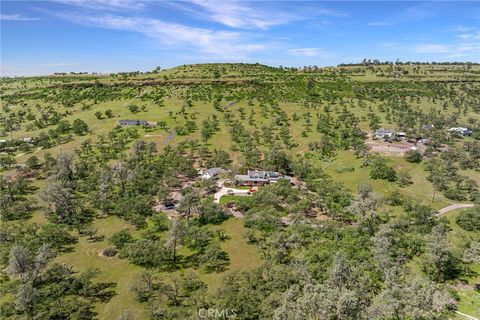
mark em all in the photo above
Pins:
pixel 453 193
pixel 133 108
pixel 160 222
pixel 110 252
pixel 469 220
pixel 404 179
pixel 380 170
pixel 395 199
pixel 413 156
pixel 214 258
pixel 79 127
pixel 121 238
pixel 211 212
pixel 146 253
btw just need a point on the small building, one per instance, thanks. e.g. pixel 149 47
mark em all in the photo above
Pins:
pixel 461 130
pixel 384 134
pixel 428 127
pixel 26 139
pixel 212 173
pixel 256 178
pixel 144 123
pixel 389 134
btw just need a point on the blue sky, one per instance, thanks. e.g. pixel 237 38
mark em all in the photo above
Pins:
pixel 42 37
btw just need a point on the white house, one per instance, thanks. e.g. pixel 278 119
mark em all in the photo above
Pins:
pixel 384 134
pixel 461 130
pixel 389 134
pixel 212 173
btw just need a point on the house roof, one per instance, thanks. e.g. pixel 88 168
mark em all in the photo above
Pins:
pixel 260 176
pixel 246 177
pixel 458 129
pixel 133 122
pixel 428 126
pixel 214 171
pixel 384 131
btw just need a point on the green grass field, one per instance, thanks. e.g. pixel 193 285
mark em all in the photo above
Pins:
pixel 421 189
pixel 86 254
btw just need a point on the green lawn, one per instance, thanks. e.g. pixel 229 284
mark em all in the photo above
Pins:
pixel 243 256
pixel 228 198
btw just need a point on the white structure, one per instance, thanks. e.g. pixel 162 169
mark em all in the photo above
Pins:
pixel 461 130
pixel 384 134
pixel 212 173
pixel 389 134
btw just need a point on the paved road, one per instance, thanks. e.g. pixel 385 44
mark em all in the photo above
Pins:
pixel 442 211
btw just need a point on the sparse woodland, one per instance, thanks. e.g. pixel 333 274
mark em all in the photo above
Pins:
pixel 356 235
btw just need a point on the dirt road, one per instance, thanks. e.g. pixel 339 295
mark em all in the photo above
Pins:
pixel 442 211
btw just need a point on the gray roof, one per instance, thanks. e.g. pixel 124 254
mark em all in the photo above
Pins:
pixel 260 176
pixel 214 171
pixel 384 131
pixel 133 122
pixel 246 177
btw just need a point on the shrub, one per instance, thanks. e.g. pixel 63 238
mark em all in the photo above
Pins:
pixel 146 253
pixel 404 179
pixel 380 170
pixel 79 127
pixel 110 252
pixel 413 156
pixel 395 199
pixel 469 220
pixel 211 212
pixel 121 238
pixel 133 108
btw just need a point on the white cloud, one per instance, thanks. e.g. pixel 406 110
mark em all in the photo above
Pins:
pixel 461 28
pixel 16 17
pixel 381 24
pixel 252 15
pixel 166 34
pixel 241 15
pixel 58 64
pixel 451 51
pixel 467 46
pixel 309 52
pixel 471 36
pixel 106 5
